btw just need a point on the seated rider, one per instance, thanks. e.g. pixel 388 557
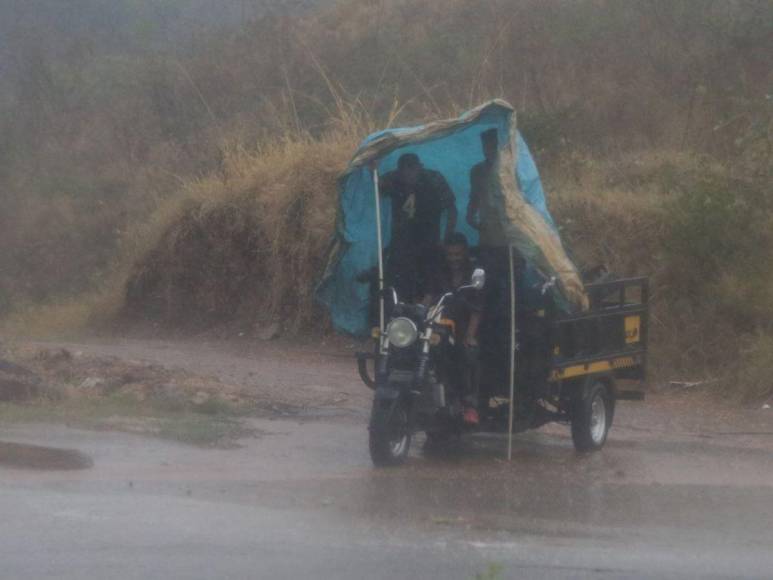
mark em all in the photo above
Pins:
pixel 465 311
pixel 419 197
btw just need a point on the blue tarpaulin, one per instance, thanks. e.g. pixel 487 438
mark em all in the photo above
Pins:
pixel 450 147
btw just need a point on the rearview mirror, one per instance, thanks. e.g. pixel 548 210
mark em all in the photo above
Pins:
pixel 478 280
pixel 391 293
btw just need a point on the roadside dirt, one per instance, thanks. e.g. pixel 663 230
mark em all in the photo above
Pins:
pixel 318 380
pixel 19 455
pixel 683 487
pixel 59 372
pixel 280 377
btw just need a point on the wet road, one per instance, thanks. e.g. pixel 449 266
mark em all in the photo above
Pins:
pixel 665 499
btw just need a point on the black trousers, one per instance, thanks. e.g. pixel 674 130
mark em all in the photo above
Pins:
pixel 410 269
pixel 466 372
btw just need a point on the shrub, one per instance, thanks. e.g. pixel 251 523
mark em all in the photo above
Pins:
pixel 718 246
pixel 755 369
pixel 702 237
pixel 247 245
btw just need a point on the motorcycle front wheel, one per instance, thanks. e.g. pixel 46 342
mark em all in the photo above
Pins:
pixel 390 437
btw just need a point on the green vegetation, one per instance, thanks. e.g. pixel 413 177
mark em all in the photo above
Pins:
pixel 492 572
pixel 755 376
pixel 212 425
pixel 112 393
pixel 188 178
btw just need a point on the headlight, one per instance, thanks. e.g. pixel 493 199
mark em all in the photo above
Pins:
pixel 402 332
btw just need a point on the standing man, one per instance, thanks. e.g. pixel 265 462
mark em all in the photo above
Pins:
pixel 484 215
pixel 419 197
pixel 481 213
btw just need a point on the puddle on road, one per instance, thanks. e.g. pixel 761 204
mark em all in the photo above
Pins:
pixel 22 456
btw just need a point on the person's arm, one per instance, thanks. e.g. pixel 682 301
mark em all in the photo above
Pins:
pixel 474 204
pixel 471 339
pixel 452 218
pixel 386 184
pixel 472 212
pixel 475 304
pixel 448 200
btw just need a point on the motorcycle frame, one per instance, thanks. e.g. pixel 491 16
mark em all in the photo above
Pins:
pixel 382 331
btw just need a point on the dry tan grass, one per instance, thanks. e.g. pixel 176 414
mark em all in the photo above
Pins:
pixel 619 213
pixel 246 245
pixel 64 317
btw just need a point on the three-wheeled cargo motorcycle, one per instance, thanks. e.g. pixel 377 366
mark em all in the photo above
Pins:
pixel 560 368
pixel 554 346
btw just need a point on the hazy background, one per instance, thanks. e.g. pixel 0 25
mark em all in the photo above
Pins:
pixel 155 150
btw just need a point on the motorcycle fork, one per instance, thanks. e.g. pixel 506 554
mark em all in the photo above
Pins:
pixel 407 394
pixel 403 399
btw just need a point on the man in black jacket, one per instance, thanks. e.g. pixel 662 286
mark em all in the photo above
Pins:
pixel 420 198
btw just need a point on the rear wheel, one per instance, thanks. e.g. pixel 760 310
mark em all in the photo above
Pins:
pixel 592 417
pixel 390 437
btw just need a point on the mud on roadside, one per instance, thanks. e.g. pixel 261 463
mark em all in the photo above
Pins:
pixel 39 384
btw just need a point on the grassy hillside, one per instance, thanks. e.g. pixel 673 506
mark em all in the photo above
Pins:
pixel 187 179
pixel 102 118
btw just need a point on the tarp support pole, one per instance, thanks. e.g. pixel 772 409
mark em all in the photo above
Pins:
pixel 513 347
pixel 380 260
